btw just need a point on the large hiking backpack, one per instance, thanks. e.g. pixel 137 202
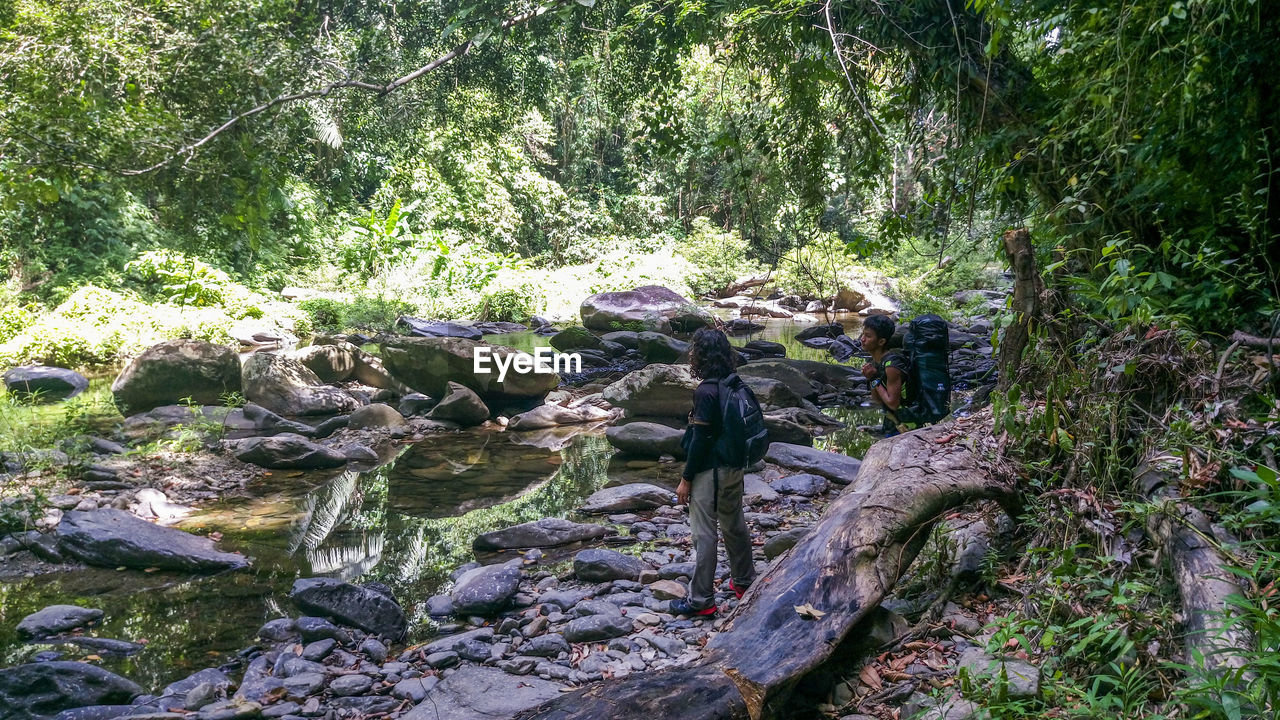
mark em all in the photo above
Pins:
pixel 927 343
pixel 743 437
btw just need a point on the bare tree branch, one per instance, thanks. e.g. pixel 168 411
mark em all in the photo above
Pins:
pixel 458 51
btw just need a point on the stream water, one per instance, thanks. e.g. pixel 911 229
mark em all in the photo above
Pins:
pixel 407 523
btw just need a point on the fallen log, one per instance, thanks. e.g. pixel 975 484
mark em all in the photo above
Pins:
pixel 743 283
pixel 1253 341
pixel 843 568
pixel 1198 566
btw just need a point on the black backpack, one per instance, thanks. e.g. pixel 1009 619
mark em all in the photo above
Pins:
pixel 743 437
pixel 927 342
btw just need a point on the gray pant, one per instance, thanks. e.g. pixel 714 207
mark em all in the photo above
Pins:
pixel 704 513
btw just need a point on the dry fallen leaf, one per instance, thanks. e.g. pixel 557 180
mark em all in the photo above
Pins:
pixel 870 678
pixel 809 612
pixel 946 438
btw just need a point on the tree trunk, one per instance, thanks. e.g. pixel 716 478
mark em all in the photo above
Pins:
pixel 1027 289
pixel 1184 536
pixel 843 568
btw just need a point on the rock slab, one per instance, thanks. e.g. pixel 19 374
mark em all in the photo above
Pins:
pixel 837 468
pixel 288 451
pixel 41 690
pixel 547 532
pixel 45 384
pixel 353 605
pixel 55 619
pixel 483 693
pixel 627 498
pixel 114 538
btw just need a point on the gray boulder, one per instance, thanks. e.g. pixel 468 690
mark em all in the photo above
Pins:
pixel 486 590
pixel 773 393
pixel 806 484
pixel 659 348
pixel 783 541
pixel 433 328
pixel 600 565
pixel 1021 679
pixel 461 405
pixel 55 619
pixel 428 365
pixel 628 339
pixel 44 384
pixel 170 372
pixel 649 307
pixel 376 416
pixel 353 605
pixel 595 628
pixel 261 421
pixel 474 692
pixel 114 538
pixel 782 371
pixel 646 439
pixel 657 390
pixel 547 646
pixel 286 386
pixel 287 451
pixel 547 532
pixel 38 691
pixel 837 468
pixel 628 498
pixel 337 360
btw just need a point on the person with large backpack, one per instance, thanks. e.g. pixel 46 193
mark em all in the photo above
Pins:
pixel 725 435
pixel 913 384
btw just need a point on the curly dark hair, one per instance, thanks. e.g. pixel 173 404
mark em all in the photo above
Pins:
pixel 711 357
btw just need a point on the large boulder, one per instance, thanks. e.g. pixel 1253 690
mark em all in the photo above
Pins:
pixel 628 498
pixel 781 370
pixel 461 405
pixel 376 416
pixel 773 393
pixel 547 532
pixel 114 538
pixel 39 691
pixel 56 619
pixel 657 391
pixel 44 384
pixel 288 451
pixel 353 605
pixel 475 692
pixel 547 416
pixel 646 439
pixel 837 468
pixel 337 360
pixel 429 364
pixel 650 307
pixel 436 328
pixel 820 331
pixel 285 386
pixel 659 348
pixel 170 372
pixel 486 590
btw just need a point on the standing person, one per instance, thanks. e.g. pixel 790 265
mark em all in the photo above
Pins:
pixel 713 493
pixel 886 372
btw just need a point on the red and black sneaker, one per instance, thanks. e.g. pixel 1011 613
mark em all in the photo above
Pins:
pixel 738 590
pixel 682 606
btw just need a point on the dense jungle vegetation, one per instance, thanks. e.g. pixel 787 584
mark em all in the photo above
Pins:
pixel 168 168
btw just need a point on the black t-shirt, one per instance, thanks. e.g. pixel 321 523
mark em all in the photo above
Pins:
pixel 704 427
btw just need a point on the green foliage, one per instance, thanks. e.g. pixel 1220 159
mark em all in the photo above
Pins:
pixel 509 304
pixel 364 312
pixel 816 269
pixel 718 258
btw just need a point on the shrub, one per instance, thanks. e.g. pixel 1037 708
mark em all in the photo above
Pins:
pixel 509 304
pixel 371 313
pixel 718 258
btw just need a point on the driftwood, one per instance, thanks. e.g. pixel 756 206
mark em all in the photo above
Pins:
pixel 1253 341
pixel 744 283
pixel 843 568
pixel 1184 536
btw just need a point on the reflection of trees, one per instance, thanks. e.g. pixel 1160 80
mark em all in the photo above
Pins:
pixel 322 511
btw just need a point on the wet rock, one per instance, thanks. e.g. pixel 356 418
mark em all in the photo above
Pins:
pixel 783 541
pixel 659 348
pixel 262 421
pixel 548 532
pixel 742 326
pixel 279 630
pixel 114 538
pixel 317 651
pixel 37 383
pixel 41 690
pixel 439 606
pixel 773 393
pixel 289 665
pixel 657 390
pixel 838 468
pixel 598 565
pixel 443 659
pixel 646 439
pixel 315 628
pixel 195 690
pixel 461 405
pixel 355 453
pixel 287 451
pixel 434 328
pixel 627 498
pixel 483 693
pixel 820 331
pixel 99 646
pixel 486 590
pixel 783 371
pixel 595 628
pixel 675 570
pixel 352 605
pixel 167 373
pixel 650 307
pixel 416 404
pixel 628 339
pixel 364 706
pixel 287 387
pixel 304 684
pixel 331 426
pixel 806 484
pixel 547 416
pixel 55 619
pixel 374 649
pixel 429 364
pixel 547 646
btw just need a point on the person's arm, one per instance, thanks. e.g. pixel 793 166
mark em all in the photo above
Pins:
pixel 888 389
pixel 702 440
